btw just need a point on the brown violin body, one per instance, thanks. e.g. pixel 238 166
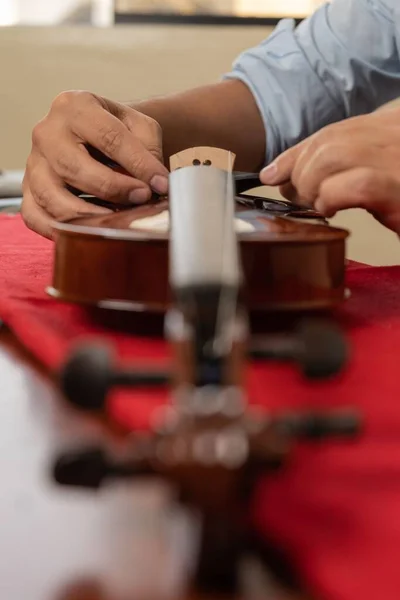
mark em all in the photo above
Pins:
pixel 114 262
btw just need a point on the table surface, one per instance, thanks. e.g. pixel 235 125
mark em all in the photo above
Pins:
pixel 57 544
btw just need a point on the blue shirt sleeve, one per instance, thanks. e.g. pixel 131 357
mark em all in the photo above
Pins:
pixel 342 61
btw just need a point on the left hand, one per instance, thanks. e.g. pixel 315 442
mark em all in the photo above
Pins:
pixel 351 164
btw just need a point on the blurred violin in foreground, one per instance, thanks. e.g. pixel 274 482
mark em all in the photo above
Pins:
pixel 205 259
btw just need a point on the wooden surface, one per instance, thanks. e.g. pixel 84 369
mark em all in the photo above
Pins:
pixel 122 543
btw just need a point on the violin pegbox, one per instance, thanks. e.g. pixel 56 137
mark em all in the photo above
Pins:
pixel 203 156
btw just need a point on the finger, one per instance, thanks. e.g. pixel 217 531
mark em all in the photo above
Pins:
pixel 366 188
pixel 82 590
pixel 318 163
pixel 140 124
pixel 149 132
pixel 289 192
pixel 77 168
pixel 109 135
pixel 34 217
pixel 49 194
pixel 280 170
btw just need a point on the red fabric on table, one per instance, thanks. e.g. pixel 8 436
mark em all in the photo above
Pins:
pixel 336 508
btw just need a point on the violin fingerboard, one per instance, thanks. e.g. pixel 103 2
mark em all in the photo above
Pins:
pixel 203 156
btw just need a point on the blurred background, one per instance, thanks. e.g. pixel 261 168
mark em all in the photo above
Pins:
pixel 100 12
pixel 133 49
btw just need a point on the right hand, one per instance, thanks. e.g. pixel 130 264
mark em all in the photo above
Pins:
pixel 59 158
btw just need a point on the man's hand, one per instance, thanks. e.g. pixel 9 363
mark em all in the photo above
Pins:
pixel 60 158
pixel 224 115
pixel 352 164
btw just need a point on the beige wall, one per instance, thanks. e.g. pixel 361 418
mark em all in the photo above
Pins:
pixel 124 63
pixel 270 8
pixel 130 63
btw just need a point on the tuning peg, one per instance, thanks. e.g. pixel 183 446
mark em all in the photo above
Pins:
pixel 92 467
pixel 311 426
pixel 89 374
pixel 319 348
pixel 83 469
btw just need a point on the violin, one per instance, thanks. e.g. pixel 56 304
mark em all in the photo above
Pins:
pixel 292 259
pixel 208 442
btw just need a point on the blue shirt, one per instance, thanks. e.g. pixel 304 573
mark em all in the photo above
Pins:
pixel 341 62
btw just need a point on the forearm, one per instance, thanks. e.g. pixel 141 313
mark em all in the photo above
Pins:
pixel 222 115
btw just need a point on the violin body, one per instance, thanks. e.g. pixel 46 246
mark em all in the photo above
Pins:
pixel 120 261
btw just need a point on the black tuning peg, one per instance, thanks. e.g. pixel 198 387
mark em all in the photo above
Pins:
pixel 314 426
pixel 89 374
pixel 82 469
pixel 319 348
pixel 92 467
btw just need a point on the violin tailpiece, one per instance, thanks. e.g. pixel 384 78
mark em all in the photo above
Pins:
pixel 203 156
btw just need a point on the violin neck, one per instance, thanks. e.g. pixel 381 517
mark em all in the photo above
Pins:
pixel 205 266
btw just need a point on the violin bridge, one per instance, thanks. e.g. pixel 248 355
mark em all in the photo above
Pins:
pixel 203 156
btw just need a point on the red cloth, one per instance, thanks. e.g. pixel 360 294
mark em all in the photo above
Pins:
pixel 336 508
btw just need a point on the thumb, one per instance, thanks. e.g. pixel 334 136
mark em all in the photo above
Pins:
pixel 280 170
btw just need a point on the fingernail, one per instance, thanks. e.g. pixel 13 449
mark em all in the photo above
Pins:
pixel 139 196
pixel 159 184
pixel 269 174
